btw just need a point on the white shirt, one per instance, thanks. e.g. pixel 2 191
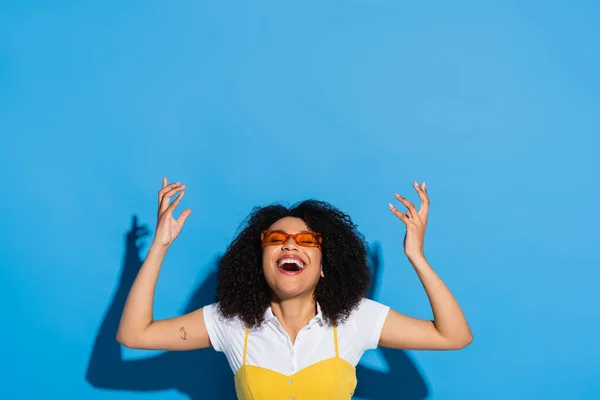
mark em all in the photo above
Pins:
pixel 269 346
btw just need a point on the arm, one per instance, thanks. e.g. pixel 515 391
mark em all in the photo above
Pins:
pixel 137 328
pixel 449 330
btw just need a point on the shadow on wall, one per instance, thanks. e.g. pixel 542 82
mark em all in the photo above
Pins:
pixel 205 374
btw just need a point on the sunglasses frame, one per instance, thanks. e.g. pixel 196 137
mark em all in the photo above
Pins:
pixel 290 235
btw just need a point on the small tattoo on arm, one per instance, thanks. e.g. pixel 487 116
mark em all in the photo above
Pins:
pixel 183 333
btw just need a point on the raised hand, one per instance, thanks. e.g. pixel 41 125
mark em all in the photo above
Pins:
pixel 415 221
pixel 167 227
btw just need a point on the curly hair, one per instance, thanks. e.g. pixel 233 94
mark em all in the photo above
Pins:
pixel 242 290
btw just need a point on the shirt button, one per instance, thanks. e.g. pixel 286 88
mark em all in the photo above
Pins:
pixel 293 369
pixel 291 398
pixel 290 381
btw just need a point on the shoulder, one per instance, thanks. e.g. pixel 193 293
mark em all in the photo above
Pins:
pixel 212 312
pixel 365 323
pixel 367 311
pixel 362 329
pixel 219 327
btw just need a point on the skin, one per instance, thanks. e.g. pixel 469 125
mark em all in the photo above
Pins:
pixel 449 330
pixel 292 300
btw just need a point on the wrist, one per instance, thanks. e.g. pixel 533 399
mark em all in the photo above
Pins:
pixel 158 249
pixel 416 258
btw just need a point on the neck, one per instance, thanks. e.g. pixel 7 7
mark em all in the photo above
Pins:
pixel 295 313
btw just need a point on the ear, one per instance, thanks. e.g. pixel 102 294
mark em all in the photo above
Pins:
pixel 322 273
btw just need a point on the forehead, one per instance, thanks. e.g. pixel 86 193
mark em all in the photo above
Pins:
pixel 290 225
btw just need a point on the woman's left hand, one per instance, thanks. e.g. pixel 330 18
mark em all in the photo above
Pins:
pixel 415 221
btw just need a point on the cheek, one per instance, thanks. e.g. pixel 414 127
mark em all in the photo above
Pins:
pixel 316 257
pixel 267 256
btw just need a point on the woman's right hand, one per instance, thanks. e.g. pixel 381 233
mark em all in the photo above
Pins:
pixel 138 329
pixel 167 227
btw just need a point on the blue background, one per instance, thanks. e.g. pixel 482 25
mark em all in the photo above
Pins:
pixel 494 104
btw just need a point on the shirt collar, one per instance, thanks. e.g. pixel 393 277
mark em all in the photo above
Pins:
pixel 270 317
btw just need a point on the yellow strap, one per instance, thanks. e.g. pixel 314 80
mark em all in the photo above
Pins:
pixel 246 344
pixel 335 341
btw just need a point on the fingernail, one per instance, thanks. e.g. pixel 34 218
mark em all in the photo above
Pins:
pixel 390 205
pixel 398 196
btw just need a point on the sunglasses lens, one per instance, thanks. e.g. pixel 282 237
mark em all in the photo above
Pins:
pixel 274 238
pixel 307 239
pixel 271 238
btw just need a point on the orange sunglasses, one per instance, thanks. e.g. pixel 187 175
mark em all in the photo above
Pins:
pixel 306 239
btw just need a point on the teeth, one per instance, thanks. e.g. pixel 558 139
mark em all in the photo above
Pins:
pixel 299 263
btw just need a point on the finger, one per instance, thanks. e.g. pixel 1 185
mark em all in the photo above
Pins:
pixel 164 204
pixel 164 181
pixel 162 192
pixel 413 211
pixel 170 209
pixel 184 215
pixel 166 188
pixel 424 209
pixel 399 214
pixel 167 195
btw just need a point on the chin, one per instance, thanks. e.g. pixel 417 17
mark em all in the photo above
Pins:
pixel 285 287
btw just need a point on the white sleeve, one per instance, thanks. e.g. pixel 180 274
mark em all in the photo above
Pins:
pixel 216 325
pixel 369 318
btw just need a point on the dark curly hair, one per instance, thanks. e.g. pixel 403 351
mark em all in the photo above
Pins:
pixel 242 290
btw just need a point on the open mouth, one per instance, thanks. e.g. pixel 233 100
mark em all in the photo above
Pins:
pixel 289 264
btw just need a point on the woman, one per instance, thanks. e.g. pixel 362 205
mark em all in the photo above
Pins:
pixel 290 314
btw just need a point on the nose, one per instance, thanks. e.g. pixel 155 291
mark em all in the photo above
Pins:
pixel 289 244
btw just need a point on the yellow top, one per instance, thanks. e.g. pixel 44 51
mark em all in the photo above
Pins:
pixel 330 379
